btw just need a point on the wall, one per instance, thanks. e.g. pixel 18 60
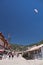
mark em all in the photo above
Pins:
pixel 42 51
pixel 1 42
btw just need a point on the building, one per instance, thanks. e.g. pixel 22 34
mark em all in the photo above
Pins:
pixel 4 45
pixel 35 52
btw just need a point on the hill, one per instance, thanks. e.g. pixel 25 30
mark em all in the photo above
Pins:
pixel 24 47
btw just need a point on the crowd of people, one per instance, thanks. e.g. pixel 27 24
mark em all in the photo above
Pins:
pixel 11 55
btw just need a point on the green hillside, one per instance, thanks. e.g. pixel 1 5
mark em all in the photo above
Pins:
pixel 24 47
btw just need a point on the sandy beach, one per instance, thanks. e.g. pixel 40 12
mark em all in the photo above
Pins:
pixel 20 61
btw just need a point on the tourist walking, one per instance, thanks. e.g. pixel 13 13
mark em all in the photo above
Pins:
pixel 12 54
pixel 9 55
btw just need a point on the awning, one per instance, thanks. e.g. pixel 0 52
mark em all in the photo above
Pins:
pixel 1 50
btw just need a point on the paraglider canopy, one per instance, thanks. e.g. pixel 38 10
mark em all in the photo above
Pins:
pixel 36 11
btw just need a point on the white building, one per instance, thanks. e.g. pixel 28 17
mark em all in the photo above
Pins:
pixel 36 52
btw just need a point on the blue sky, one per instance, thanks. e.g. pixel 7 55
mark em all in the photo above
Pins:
pixel 17 17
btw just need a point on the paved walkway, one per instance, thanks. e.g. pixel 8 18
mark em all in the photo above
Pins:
pixel 20 61
pixel 14 61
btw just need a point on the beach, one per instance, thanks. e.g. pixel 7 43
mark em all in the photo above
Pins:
pixel 20 61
